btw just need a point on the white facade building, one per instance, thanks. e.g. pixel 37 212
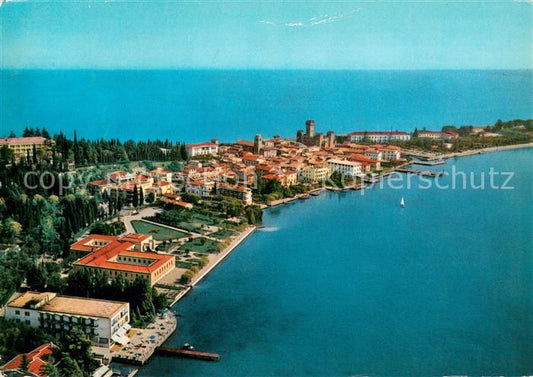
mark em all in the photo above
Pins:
pixel 349 168
pixel 104 322
pixel 201 149
pixel 202 189
pixel 378 136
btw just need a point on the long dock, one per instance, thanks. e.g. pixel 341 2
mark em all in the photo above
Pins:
pixel 427 173
pixel 189 354
pixel 429 163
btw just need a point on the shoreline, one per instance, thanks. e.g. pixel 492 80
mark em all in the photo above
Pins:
pixel 212 264
pixel 472 152
pixel 279 203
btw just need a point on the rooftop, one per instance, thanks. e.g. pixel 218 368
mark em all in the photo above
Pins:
pixel 22 140
pixel 36 359
pixel 199 145
pixel 69 305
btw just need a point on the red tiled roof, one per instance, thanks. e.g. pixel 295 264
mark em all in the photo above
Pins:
pixel 102 258
pixel 162 183
pixel 101 182
pixel 271 176
pixel 37 359
pixel 81 244
pixel 363 159
pixel 207 144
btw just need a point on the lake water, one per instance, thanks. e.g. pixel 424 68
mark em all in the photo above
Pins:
pixel 191 106
pixel 350 284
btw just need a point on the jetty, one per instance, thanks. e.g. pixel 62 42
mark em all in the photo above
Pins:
pixel 189 354
pixel 426 173
pixel 428 163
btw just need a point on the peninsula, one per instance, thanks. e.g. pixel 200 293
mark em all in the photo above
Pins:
pixel 110 235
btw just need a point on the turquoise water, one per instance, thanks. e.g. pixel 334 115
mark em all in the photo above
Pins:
pixel 188 105
pixel 350 284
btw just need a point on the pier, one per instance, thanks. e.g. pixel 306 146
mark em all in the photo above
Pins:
pixel 426 173
pixel 188 354
pixel 429 163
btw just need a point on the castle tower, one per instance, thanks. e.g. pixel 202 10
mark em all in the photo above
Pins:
pixel 330 142
pixel 258 144
pixel 310 128
pixel 300 136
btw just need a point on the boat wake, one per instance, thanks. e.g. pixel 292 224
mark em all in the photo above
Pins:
pixel 269 229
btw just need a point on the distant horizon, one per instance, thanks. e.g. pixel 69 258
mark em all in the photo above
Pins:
pixel 249 69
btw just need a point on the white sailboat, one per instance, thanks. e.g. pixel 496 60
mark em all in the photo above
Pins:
pixel 402 203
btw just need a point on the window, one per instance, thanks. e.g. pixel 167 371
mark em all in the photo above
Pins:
pixel 17 312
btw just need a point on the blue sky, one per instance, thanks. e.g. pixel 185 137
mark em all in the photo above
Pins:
pixel 287 35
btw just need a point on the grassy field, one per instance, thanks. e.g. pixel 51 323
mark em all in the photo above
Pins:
pixel 222 233
pixel 159 233
pixel 202 245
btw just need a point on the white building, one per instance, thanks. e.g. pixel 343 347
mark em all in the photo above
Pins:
pixel 104 322
pixel 391 153
pixel 437 135
pixel 200 188
pixel 313 173
pixel 349 168
pixel 378 136
pixel 374 154
pixel 201 149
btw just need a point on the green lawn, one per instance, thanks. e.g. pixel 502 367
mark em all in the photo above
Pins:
pixel 222 233
pixel 202 245
pixel 159 233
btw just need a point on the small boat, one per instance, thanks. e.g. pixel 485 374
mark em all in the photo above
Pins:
pixel 402 203
pixel 188 347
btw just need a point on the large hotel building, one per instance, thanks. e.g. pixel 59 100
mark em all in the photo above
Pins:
pixel 129 256
pixel 104 322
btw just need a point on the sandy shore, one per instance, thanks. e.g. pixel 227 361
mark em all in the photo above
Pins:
pixel 215 259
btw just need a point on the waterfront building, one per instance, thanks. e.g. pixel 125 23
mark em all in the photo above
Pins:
pixel 201 188
pixel 129 256
pixel 391 153
pixel 377 136
pixel 437 135
pixel 202 149
pixel 103 321
pixel 374 154
pixel 314 173
pixel 240 192
pixel 349 168
pixel 23 147
pixel 367 162
pixel 36 362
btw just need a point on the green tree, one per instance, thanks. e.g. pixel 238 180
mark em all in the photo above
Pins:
pixel 141 197
pixel 135 196
pixel 183 152
pixel 24 364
